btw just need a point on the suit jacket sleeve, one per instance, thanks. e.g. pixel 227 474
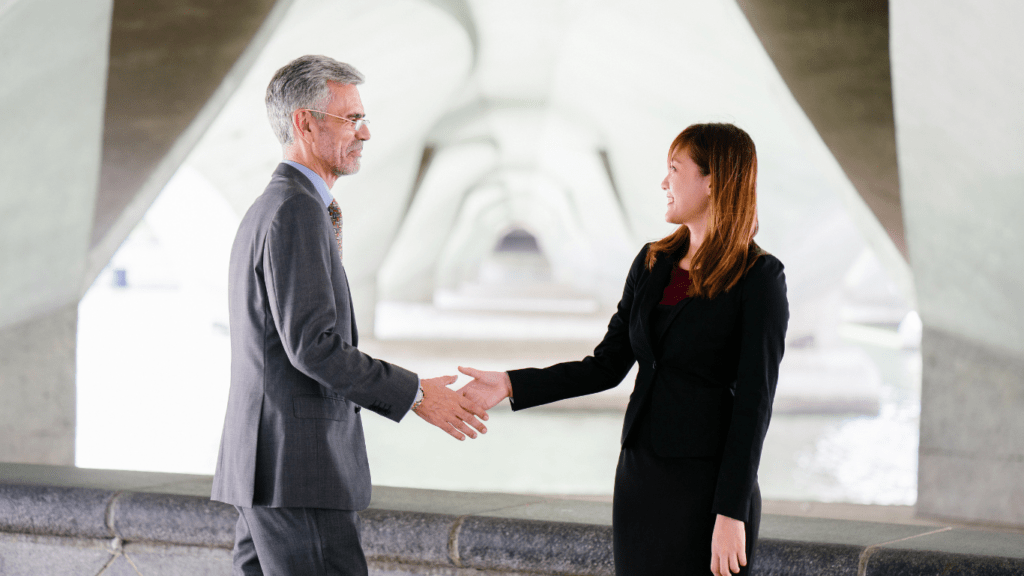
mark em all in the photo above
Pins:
pixel 297 265
pixel 764 317
pixel 605 369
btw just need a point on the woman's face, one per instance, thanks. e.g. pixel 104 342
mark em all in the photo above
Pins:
pixel 688 192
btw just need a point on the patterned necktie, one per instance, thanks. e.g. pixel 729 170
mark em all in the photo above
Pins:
pixel 335 211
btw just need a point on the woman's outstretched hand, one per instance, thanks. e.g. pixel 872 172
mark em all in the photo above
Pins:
pixel 486 388
pixel 728 546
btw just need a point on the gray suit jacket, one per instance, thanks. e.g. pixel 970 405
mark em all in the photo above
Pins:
pixel 292 434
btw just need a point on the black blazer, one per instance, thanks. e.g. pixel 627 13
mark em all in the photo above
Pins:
pixel 710 377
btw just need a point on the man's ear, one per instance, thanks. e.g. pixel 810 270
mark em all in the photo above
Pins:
pixel 300 124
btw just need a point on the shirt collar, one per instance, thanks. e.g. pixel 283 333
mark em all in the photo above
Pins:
pixel 315 179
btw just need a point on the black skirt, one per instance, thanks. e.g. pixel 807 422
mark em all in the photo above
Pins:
pixel 661 514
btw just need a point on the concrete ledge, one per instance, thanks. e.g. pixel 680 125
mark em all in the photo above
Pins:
pixel 499 544
pixel 895 563
pixel 174 519
pixel 818 558
pixel 93 521
pixel 55 511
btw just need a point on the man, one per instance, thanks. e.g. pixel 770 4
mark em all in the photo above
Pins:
pixel 292 457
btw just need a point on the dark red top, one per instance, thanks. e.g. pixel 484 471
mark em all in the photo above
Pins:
pixel 678 284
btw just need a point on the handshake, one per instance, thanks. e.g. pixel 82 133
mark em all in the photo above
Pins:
pixel 458 412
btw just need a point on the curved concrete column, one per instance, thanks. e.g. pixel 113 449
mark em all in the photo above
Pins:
pixel 172 69
pixel 537 203
pixel 539 163
pixel 461 12
pixel 102 100
pixel 834 57
pixel 958 74
pixel 408 272
pixel 54 67
pixel 409 51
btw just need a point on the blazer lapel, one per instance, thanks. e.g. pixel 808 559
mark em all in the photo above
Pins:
pixel 672 317
pixel 652 295
pixel 300 180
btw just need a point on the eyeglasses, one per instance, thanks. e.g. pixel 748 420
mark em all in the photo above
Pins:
pixel 356 124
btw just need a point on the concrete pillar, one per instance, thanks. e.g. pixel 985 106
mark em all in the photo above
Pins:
pixel 37 389
pixel 834 58
pixel 958 77
pixel 53 61
pixel 171 67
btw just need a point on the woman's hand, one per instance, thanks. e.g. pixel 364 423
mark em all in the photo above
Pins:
pixel 486 388
pixel 728 546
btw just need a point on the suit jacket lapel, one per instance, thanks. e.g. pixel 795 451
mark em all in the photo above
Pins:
pixel 652 295
pixel 672 317
pixel 299 179
pixel 659 278
pixel 293 175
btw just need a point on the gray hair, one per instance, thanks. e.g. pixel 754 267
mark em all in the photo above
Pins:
pixel 302 83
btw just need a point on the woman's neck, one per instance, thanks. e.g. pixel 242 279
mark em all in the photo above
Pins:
pixel 697 231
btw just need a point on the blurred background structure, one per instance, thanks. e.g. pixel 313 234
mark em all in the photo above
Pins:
pixel 513 174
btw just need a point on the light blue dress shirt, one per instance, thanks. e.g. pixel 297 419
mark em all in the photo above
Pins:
pixel 318 182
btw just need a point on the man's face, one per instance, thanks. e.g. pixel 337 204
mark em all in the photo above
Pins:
pixel 336 143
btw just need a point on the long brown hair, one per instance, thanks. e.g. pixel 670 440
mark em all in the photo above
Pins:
pixel 726 153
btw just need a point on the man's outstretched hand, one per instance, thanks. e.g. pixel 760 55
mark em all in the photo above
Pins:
pixel 486 388
pixel 450 411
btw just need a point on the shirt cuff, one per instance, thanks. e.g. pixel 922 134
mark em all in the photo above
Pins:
pixel 419 392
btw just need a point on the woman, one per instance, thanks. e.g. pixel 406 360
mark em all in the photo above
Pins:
pixel 704 312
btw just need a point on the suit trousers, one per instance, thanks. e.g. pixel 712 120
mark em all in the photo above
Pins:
pixel 297 542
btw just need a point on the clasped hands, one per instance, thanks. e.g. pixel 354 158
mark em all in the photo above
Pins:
pixel 459 412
